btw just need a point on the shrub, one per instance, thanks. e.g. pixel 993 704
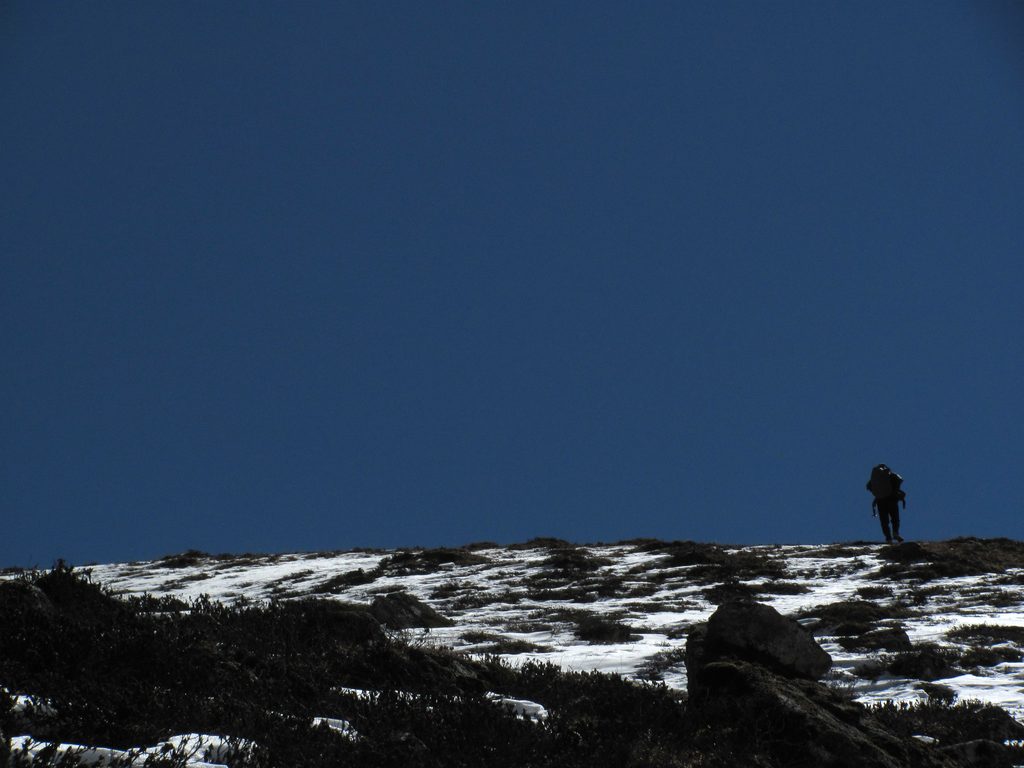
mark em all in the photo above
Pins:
pixel 925 662
pixel 953 558
pixel 850 617
pixel 655 666
pixel 989 657
pixel 874 593
pixel 987 633
pixel 729 591
pixel 543 542
pixel 184 559
pixel 450 589
pixel 599 629
pixel 720 565
pixel 783 588
pixel 427 561
pixel 572 561
pixel 949 723
pixel 477 599
pixel 498 644
pixel 263 671
pixel 344 581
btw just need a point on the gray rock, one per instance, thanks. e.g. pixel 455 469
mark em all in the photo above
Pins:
pixel 768 719
pixel 754 692
pixel 757 633
pixel 981 753
pixel 884 639
pixel 400 610
pixel 695 658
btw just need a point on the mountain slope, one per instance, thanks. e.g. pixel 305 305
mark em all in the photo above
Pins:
pixel 533 602
pixel 497 655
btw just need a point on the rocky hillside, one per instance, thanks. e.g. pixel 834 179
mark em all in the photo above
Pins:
pixel 642 653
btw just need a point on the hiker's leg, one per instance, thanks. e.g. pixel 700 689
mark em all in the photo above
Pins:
pixel 895 517
pixel 883 518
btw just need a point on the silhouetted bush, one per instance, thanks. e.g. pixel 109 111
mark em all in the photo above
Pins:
pixel 600 629
pixel 343 581
pixel 987 633
pixel 571 561
pixel 184 559
pixel 715 564
pixel 264 671
pixel 541 542
pixel 950 723
pixel 926 662
pixel 850 617
pixel 949 559
pixel 427 561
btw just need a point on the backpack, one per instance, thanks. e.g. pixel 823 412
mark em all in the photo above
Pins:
pixel 885 483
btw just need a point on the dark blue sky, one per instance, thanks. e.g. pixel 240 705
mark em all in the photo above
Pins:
pixel 302 276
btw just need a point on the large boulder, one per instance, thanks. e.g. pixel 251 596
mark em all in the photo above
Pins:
pixel 755 699
pixel 766 719
pixel 884 639
pixel 400 610
pixel 749 631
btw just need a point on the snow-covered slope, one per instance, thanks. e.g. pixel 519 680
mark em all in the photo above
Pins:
pixel 534 601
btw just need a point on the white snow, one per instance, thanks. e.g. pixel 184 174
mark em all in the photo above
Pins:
pixel 200 750
pixel 531 710
pixel 341 726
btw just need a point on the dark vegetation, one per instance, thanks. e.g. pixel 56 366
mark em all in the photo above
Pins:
pixel 714 563
pixel 195 557
pixel 831 551
pixel 477 599
pixel 978 658
pixel 400 610
pixel 129 673
pixel 403 563
pixel 851 617
pixel 988 645
pixel 586 589
pixel 655 667
pixel 926 662
pixel 988 633
pixel 573 574
pixel 948 559
pixel 951 724
pixel 737 590
pixel 569 562
pixel 595 628
pixel 489 642
pixel 861 625
pixel 343 581
pixel 874 593
pixel 427 561
pixel 542 542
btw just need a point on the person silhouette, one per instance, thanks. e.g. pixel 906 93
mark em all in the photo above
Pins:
pixel 884 485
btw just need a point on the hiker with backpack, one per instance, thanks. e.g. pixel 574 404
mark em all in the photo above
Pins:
pixel 885 487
